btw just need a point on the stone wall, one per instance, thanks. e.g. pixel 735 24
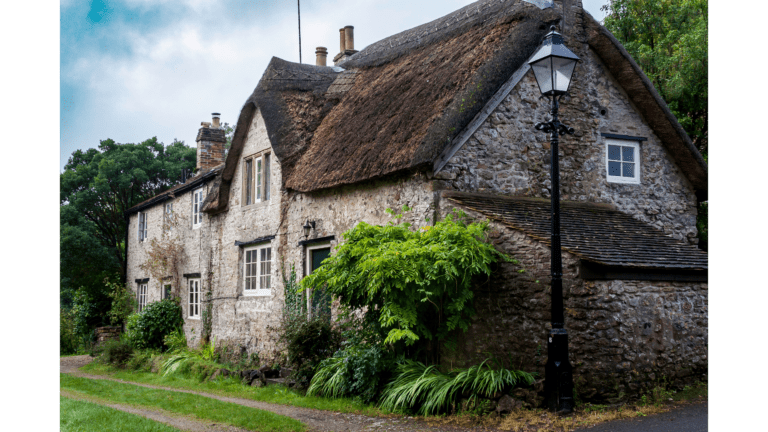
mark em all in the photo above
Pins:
pixel 506 155
pixel 108 333
pixel 625 336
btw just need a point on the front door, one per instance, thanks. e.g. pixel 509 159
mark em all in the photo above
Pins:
pixel 321 301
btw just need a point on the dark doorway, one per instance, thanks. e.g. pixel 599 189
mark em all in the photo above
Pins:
pixel 321 300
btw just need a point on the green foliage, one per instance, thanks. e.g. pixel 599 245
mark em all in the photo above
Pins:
pixel 86 314
pixel 175 341
pixel 308 342
pixel 417 385
pixel 148 328
pixel 668 39
pixel 123 302
pixel 68 342
pixel 295 303
pixel 702 222
pixel 416 285
pixel 116 352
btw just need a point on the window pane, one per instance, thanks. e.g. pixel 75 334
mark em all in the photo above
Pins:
pixel 614 153
pixel 266 177
pixel 248 182
pixel 258 179
pixel 629 170
pixel 614 168
pixel 628 154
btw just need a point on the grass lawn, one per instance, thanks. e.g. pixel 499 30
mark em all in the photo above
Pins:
pixel 183 403
pixel 79 416
pixel 233 388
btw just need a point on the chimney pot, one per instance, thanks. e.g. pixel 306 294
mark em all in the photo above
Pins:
pixel 322 55
pixel 216 123
pixel 341 40
pixel 349 38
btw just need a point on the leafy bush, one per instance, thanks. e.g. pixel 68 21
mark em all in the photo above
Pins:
pixel 415 284
pixel 116 352
pixel 148 328
pixel 432 391
pixel 68 342
pixel 308 342
pixel 175 341
pixel 123 302
pixel 355 371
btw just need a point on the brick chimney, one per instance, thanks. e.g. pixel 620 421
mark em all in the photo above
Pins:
pixel 346 44
pixel 210 144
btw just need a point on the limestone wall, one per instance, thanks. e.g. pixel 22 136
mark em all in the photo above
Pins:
pixel 625 336
pixel 506 155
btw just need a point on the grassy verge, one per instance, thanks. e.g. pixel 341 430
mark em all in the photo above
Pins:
pixel 79 416
pixel 182 403
pixel 233 388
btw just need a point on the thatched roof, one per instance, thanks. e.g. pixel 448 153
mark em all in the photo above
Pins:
pixel 593 232
pixel 400 101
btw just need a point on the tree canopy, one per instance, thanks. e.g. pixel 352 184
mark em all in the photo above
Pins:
pixel 668 39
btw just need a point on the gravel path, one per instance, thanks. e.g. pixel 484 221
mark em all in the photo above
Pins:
pixel 317 420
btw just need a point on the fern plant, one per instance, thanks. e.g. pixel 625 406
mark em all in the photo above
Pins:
pixel 426 387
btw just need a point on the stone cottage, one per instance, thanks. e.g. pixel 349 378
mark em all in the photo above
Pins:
pixel 440 117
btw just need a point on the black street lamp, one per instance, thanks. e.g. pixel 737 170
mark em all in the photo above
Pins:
pixel 553 66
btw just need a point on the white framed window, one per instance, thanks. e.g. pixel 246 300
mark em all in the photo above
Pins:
pixel 168 216
pixel 197 204
pixel 257 270
pixel 256 173
pixel 622 161
pixel 141 296
pixel 194 299
pixel 142 226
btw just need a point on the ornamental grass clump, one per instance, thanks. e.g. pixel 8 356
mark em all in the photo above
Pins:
pixel 416 385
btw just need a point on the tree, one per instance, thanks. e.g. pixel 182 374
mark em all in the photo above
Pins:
pixel 99 185
pixel 668 39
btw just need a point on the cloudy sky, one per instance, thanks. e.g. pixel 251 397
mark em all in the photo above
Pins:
pixel 134 69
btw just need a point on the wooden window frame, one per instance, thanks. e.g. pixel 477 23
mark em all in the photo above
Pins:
pixel 259 291
pixel 257 186
pixel 193 301
pixel 310 249
pixel 635 145
pixel 197 214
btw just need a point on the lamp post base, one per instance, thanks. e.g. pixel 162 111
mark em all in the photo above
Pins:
pixel 558 384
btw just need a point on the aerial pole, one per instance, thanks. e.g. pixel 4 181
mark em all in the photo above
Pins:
pixel 299 5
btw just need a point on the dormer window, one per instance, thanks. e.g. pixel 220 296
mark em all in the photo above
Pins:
pixel 256 173
pixel 197 204
pixel 622 160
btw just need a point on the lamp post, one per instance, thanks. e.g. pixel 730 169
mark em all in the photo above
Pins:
pixel 553 66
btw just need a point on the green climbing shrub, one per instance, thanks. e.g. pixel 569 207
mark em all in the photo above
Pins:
pixel 147 329
pixel 415 283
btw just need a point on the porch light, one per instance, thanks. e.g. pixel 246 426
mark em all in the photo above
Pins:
pixel 307 228
pixel 553 65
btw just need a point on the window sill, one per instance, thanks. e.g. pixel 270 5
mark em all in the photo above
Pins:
pixel 256 205
pixel 196 318
pixel 258 293
pixel 619 180
pixel 194 227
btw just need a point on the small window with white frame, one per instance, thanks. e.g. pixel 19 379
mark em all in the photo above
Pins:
pixel 257 270
pixel 194 299
pixel 141 296
pixel 197 204
pixel 256 175
pixel 142 226
pixel 622 161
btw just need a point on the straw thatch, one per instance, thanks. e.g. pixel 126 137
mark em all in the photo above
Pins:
pixel 400 101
